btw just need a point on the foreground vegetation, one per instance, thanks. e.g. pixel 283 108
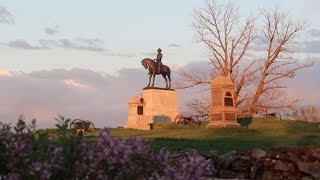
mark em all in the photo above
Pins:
pixel 27 153
pixel 260 133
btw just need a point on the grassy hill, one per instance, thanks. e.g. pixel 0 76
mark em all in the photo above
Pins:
pixel 261 133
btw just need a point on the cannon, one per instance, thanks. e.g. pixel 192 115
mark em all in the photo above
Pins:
pixel 84 125
pixel 186 120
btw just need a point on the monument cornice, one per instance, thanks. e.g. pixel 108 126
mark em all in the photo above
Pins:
pixel 157 88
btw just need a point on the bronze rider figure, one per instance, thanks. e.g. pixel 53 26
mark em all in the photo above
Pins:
pixel 158 61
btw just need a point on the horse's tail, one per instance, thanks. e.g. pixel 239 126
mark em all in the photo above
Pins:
pixel 168 72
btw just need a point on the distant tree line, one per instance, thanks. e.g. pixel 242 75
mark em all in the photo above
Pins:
pixel 306 113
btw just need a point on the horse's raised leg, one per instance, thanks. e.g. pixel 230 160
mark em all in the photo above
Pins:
pixel 165 78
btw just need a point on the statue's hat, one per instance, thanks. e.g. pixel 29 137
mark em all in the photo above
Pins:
pixel 159 49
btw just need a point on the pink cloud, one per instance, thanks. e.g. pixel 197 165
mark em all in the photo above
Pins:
pixel 75 93
pixel 5 73
pixel 75 84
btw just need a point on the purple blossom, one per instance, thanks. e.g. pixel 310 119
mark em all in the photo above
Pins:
pixel 106 158
pixel 43 170
pixel 17 148
pixel 13 176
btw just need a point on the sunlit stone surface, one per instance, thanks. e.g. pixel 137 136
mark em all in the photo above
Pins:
pixel 223 112
pixel 154 104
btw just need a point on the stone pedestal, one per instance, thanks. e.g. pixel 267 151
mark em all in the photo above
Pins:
pixel 223 112
pixel 153 105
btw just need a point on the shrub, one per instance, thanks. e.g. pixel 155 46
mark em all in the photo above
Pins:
pixel 29 154
pixel 244 121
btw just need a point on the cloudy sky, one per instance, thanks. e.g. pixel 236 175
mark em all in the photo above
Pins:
pixel 81 59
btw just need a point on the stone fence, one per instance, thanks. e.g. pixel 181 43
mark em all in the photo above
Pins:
pixel 277 163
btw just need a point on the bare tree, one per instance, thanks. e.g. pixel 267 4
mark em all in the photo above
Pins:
pixel 199 107
pixel 227 36
pixel 216 27
pixel 277 63
pixel 189 78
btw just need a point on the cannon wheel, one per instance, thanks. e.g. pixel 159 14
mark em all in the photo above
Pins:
pixel 2 126
pixel 178 119
pixel 89 125
pixel 74 122
pixel 191 121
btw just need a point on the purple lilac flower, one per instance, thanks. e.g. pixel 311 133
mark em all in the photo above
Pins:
pixel 44 170
pixel 17 148
pixel 107 158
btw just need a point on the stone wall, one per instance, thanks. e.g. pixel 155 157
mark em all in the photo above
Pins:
pixel 277 163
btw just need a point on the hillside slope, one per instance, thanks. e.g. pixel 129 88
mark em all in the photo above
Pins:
pixel 261 133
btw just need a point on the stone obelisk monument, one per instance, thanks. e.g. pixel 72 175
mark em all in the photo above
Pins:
pixel 223 112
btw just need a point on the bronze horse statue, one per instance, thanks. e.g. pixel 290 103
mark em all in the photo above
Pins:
pixel 165 71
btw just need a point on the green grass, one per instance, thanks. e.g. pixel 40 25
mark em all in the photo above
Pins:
pixel 261 133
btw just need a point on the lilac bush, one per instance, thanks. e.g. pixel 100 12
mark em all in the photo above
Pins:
pixel 44 170
pixel 30 154
pixel 117 158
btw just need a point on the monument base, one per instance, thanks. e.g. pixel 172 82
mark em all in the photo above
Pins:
pixel 137 122
pixel 222 124
pixel 153 105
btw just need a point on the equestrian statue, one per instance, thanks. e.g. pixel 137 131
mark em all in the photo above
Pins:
pixel 156 67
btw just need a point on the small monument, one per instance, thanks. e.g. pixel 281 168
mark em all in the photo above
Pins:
pixel 223 112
